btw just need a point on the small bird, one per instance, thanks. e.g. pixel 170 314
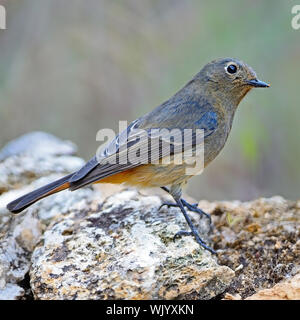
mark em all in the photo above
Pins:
pixel 207 102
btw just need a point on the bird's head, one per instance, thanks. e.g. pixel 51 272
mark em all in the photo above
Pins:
pixel 229 79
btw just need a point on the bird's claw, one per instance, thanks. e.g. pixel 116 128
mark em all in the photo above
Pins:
pixel 182 233
pixel 168 205
pixel 193 233
pixel 192 207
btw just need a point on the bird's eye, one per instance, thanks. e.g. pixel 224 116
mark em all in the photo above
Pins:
pixel 232 68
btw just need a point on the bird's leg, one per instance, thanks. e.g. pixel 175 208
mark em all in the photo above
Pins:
pixel 176 194
pixel 191 207
pixel 193 231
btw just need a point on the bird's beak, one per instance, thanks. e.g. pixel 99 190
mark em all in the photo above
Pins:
pixel 257 83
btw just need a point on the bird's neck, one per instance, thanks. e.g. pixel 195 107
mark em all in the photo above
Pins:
pixel 211 93
pixel 219 96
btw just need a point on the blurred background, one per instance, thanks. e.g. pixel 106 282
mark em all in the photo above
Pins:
pixel 73 67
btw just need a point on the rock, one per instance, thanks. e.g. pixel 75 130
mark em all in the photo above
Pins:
pixel 14 264
pixel 258 239
pixel 124 250
pixel 229 296
pixel 35 155
pixel 19 234
pixel 11 292
pixel 285 290
pixel 18 237
pixel 38 144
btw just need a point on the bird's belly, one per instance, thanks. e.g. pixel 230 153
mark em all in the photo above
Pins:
pixel 158 175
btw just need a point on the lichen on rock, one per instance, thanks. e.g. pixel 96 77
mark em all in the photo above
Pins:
pixel 124 250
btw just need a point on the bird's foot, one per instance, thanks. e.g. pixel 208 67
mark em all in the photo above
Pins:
pixel 180 203
pixel 197 238
pixel 192 207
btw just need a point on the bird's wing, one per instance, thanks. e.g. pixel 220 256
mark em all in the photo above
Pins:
pixel 142 143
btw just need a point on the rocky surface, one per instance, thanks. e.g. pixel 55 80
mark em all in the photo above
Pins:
pixel 260 240
pixel 111 243
pixel 124 249
pixel 285 290
pixel 21 162
pixel 288 289
pixel 35 155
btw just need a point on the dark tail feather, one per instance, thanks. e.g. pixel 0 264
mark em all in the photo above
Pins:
pixel 28 199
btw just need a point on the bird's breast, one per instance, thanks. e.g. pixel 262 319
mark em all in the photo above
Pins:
pixel 214 143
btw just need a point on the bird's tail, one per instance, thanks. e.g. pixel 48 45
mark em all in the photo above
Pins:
pixel 28 199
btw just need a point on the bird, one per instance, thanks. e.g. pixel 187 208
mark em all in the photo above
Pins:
pixel 206 104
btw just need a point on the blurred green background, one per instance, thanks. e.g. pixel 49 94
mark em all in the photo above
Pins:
pixel 74 67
